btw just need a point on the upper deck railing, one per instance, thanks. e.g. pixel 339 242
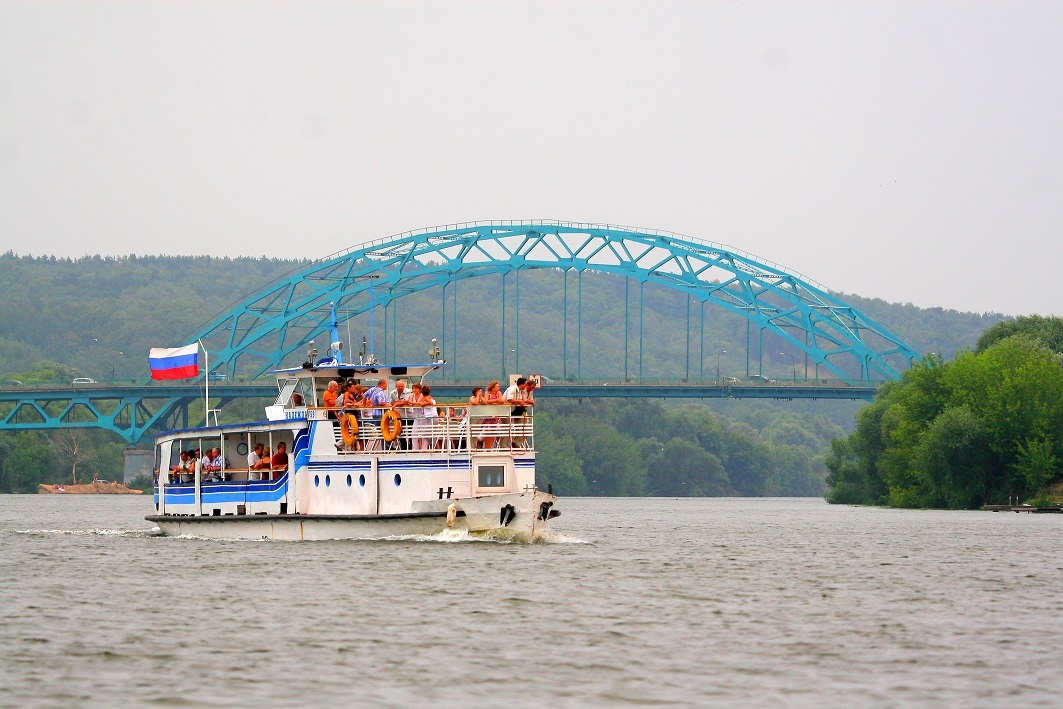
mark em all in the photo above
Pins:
pixel 452 429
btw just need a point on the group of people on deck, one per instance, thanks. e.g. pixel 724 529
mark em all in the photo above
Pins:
pixel 418 409
pixel 260 459
pixel 211 464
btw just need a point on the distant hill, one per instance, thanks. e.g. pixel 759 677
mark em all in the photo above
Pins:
pixel 83 312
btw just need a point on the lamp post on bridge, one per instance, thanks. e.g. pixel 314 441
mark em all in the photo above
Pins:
pixel 120 354
pixel 505 372
pixel 721 352
pixel 793 361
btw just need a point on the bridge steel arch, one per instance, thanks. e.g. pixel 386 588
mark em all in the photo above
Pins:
pixel 269 327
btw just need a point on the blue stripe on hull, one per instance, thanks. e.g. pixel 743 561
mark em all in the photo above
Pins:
pixel 216 493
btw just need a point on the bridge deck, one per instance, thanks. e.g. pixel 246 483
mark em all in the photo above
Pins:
pixel 133 411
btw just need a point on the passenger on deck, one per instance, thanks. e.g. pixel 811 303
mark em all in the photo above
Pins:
pixel 329 398
pixel 475 399
pixel 398 393
pixel 256 459
pixel 352 401
pixel 183 467
pixel 280 460
pixel 490 426
pixel 529 389
pixel 527 401
pixel 212 464
pixel 397 398
pixel 424 420
pixel 515 395
pixel 181 464
pixel 376 399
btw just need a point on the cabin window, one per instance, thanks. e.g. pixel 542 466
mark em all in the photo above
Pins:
pixel 491 476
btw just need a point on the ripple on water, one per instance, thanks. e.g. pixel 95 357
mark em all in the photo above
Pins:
pixel 735 602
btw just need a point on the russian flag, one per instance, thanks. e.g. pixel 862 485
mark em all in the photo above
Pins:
pixel 174 362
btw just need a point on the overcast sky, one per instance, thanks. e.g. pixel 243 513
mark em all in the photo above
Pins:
pixel 907 151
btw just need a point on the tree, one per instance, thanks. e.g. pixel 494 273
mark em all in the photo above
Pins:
pixel 978 429
pixel 953 459
pixel 558 464
pixel 70 446
pixel 684 469
pixel 28 464
pixel 1046 330
pixel 1037 464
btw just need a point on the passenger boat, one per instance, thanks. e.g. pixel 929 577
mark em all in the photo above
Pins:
pixel 467 469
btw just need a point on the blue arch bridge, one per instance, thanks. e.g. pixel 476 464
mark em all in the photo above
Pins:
pixel 845 355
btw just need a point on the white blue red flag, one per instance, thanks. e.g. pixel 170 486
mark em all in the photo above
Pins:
pixel 174 362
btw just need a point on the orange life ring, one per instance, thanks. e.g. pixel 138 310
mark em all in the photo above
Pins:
pixel 390 425
pixel 349 429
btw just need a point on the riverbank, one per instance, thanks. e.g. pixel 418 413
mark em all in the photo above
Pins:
pixel 94 488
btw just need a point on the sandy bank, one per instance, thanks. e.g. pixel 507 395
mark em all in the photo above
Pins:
pixel 96 488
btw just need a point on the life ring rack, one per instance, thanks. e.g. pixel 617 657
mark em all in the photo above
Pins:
pixel 349 429
pixel 390 425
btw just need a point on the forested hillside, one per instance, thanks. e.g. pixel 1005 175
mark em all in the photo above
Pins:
pixel 97 317
pixel 84 312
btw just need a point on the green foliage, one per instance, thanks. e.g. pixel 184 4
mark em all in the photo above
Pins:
pixel 557 463
pixel 1046 330
pixel 685 469
pixel 642 447
pixel 27 462
pixel 1037 464
pixel 979 429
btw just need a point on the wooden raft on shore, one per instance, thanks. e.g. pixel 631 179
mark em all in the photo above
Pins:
pixel 1023 508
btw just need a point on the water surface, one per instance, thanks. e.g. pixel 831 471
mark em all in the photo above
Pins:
pixel 663 601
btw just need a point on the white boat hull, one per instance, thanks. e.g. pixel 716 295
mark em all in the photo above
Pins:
pixel 517 516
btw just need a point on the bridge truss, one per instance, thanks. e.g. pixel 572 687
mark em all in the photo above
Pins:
pixel 274 326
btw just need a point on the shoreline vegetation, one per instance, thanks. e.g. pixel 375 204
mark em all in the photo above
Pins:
pixel 983 428
pixel 97 316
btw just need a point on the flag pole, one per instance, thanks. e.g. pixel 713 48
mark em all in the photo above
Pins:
pixel 206 384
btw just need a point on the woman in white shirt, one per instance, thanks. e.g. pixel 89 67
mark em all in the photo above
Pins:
pixel 424 420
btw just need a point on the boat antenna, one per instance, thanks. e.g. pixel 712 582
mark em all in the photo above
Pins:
pixel 337 344
pixel 350 342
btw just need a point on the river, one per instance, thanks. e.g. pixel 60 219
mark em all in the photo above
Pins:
pixel 729 602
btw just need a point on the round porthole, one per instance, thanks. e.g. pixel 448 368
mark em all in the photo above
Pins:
pixel 317 481
pixel 348 481
pixel 398 479
pixel 361 480
pixel 328 480
pixel 241 448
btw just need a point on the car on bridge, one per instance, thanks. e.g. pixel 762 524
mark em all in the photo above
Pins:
pixel 83 380
pixel 760 379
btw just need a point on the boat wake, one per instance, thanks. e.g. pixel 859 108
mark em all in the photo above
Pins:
pixel 451 536
pixel 129 533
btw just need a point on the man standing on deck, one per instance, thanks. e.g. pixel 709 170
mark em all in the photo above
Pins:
pixel 279 463
pixel 378 399
pixel 397 398
pixel 330 396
